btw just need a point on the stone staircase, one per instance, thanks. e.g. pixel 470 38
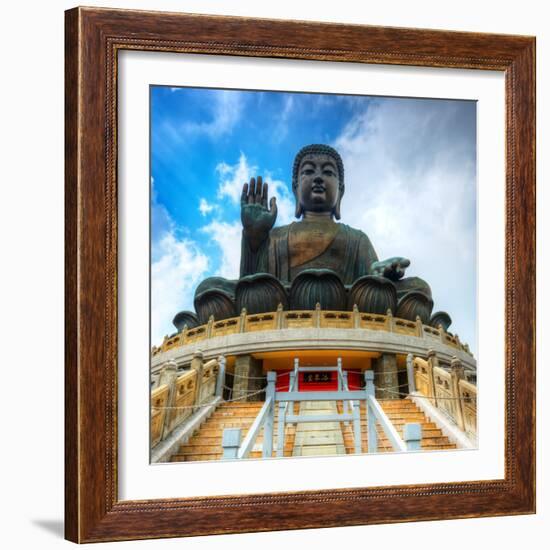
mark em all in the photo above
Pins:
pixel 400 412
pixel 205 444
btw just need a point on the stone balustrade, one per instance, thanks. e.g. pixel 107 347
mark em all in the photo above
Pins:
pixel 448 391
pixel 317 318
pixel 159 401
pixel 175 396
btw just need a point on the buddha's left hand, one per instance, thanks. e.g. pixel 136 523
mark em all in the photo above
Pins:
pixel 392 268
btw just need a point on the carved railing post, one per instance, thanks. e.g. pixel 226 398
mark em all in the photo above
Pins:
pixel 389 320
pixel 432 362
pixel 267 449
pixel 168 376
pixel 291 384
pixel 458 343
pixel 356 317
pixel 372 437
pixel 242 320
pixel 317 316
pixel 457 374
pixel 184 332
pixel 210 326
pixel 410 373
pixel 279 317
pixel 412 435
pixel 231 440
pixel 442 334
pixel 419 327
pixel 197 365
pixel 220 382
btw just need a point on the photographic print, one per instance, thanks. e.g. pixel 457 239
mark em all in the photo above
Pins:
pixel 284 259
pixel 313 274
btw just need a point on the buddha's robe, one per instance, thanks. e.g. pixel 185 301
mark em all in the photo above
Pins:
pixel 298 246
pixel 293 248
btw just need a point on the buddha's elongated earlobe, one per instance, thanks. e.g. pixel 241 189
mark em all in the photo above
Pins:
pixel 298 211
pixel 336 210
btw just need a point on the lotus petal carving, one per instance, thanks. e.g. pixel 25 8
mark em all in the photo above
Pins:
pixel 260 293
pixel 183 318
pixel 373 294
pixel 415 304
pixel 314 286
pixel 441 318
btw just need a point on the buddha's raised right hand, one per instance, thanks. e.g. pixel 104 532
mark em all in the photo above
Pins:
pixel 256 216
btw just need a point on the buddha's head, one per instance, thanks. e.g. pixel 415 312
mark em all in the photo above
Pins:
pixel 318 180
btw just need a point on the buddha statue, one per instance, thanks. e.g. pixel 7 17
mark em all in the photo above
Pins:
pixel 313 260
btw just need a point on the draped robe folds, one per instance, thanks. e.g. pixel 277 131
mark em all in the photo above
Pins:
pixel 349 253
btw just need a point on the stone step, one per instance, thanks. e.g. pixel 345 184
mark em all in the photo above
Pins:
pixel 198 457
pixel 210 438
pixel 217 440
pixel 208 431
pixel 239 411
pixel 248 413
pixel 426 434
pixel 218 456
pixel 206 449
pixel 390 449
pixel 426 441
pixel 239 406
pixel 231 423
pixel 394 404
pixel 224 425
pixel 435 432
pixel 243 404
pixel 400 422
pixel 406 416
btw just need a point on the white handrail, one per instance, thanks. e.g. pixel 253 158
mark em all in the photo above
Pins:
pixel 397 443
pixel 252 434
pixel 375 413
pixel 283 411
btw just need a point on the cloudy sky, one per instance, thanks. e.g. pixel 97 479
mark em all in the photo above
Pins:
pixel 410 184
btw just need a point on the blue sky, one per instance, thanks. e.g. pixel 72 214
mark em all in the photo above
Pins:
pixel 410 169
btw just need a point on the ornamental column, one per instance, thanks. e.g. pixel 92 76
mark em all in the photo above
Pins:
pixel 248 378
pixel 385 377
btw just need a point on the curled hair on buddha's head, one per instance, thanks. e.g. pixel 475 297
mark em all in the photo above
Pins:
pixel 318 149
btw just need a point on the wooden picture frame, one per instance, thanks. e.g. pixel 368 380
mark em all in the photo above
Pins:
pixel 93 511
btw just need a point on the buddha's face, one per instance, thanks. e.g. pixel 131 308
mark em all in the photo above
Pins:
pixel 318 183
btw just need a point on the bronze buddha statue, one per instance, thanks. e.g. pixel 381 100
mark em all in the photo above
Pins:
pixel 313 260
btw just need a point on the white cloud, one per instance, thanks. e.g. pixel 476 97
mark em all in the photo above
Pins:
pixel 228 237
pixel 285 200
pixel 233 177
pixel 224 112
pixel 281 128
pixel 179 264
pixel 226 108
pixel 161 221
pixel 410 185
pixel 205 207
pixel 179 267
